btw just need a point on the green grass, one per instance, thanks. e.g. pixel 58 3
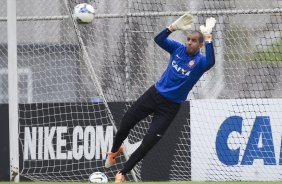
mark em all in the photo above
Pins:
pixel 271 53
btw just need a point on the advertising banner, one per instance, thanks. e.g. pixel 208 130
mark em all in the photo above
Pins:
pixel 237 139
pixel 71 142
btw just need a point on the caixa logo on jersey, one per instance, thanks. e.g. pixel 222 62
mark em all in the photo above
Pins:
pixel 252 141
pixel 67 143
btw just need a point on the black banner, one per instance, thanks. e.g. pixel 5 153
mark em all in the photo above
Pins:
pixel 37 120
pixel 4 143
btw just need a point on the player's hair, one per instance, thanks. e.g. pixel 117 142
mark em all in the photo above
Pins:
pixel 201 36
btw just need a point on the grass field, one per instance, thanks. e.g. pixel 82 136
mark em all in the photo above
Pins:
pixel 179 182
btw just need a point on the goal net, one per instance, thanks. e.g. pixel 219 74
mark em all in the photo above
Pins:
pixel 76 81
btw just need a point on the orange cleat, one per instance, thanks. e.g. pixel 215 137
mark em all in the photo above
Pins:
pixel 111 157
pixel 119 178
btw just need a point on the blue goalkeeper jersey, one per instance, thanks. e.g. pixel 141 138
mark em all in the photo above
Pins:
pixel 183 70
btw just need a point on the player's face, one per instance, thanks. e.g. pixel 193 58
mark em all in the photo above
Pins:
pixel 192 43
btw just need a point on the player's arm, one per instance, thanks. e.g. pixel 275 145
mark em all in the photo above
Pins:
pixel 165 43
pixel 210 57
pixel 182 23
pixel 207 30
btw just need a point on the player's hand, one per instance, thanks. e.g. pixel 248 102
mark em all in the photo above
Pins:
pixel 182 23
pixel 207 29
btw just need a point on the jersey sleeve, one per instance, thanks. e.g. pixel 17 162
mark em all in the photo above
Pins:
pixel 167 44
pixel 210 58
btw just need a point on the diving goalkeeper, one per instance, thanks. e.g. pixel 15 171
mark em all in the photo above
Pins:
pixel 185 67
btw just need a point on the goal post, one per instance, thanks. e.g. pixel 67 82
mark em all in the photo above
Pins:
pixel 13 90
pixel 74 82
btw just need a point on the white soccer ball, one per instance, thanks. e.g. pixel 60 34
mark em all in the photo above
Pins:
pixel 84 13
pixel 98 177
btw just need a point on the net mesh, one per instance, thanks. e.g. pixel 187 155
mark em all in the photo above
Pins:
pixel 70 74
pixel 4 55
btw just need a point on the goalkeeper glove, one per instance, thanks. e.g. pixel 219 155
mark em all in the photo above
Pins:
pixel 182 23
pixel 207 29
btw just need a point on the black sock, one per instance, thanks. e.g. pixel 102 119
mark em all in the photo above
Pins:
pixel 148 142
pixel 119 138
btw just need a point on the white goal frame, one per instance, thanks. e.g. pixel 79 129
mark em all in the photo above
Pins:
pixel 13 90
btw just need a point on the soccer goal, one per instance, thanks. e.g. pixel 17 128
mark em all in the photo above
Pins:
pixel 75 81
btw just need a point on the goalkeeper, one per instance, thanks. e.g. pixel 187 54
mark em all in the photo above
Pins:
pixel 185 67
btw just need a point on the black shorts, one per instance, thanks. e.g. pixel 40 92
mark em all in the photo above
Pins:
pixel 151 102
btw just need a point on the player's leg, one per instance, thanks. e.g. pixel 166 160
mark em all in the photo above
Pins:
pixel 143 107
pixel 163 116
